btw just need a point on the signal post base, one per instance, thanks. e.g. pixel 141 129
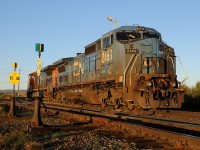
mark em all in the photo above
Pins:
pixel 12 112
pixel 36 120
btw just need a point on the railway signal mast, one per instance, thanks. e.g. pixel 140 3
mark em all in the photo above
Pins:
pixel 14 79
pixel 36 120
pixel 39 48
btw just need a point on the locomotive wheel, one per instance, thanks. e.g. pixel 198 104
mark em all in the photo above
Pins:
pixel 130 105
pixel 117 103
pixel 103 102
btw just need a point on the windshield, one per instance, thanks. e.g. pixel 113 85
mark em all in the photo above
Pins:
pixel 125 36
pixel 151 35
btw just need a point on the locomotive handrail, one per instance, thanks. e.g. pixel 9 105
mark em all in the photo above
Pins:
pixel 186 77
pixel 127 67
pixel 132 68
pixel 172 62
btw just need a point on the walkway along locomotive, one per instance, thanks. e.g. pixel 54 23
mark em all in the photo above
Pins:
pixel 128 66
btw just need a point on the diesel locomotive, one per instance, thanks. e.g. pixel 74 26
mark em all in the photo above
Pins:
pixel 129 66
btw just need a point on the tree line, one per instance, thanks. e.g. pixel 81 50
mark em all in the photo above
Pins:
pixel 192 97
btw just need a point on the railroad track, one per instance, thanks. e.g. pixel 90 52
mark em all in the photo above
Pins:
pixel 177 132
pixel 174 113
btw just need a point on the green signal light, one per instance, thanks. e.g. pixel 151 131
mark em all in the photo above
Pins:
pixel 39 47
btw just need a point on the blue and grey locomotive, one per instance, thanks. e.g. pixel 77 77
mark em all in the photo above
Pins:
pixel 128 66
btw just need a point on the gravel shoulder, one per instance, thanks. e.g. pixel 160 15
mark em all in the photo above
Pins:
pixel 14 135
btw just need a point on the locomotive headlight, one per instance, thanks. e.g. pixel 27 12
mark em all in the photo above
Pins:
pixel 172 84
pixel 148 83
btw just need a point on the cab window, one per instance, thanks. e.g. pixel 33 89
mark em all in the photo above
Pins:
pixel 151 35
pixel 107 41
pixel 126 36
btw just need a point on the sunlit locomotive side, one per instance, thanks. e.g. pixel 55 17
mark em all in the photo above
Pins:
pixel 129 66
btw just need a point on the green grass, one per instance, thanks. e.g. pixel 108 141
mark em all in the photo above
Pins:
pixel 16 140
pixel 4 110
pixel 5 96
pixel 192 103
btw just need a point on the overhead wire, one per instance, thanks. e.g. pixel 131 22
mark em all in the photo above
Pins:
pixel 182 24
pixel 187 23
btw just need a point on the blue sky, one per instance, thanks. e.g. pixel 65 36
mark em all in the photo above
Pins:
pixel 66 27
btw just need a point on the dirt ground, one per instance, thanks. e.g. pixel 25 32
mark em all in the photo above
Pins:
pixel 60 133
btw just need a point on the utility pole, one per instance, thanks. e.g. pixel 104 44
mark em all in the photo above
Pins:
pixel 19 83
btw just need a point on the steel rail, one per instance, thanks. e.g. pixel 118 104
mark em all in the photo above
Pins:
pixel 172 130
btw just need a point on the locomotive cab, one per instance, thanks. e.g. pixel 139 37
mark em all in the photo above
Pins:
pixel 149 69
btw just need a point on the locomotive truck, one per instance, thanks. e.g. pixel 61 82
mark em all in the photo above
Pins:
pixel 129 66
